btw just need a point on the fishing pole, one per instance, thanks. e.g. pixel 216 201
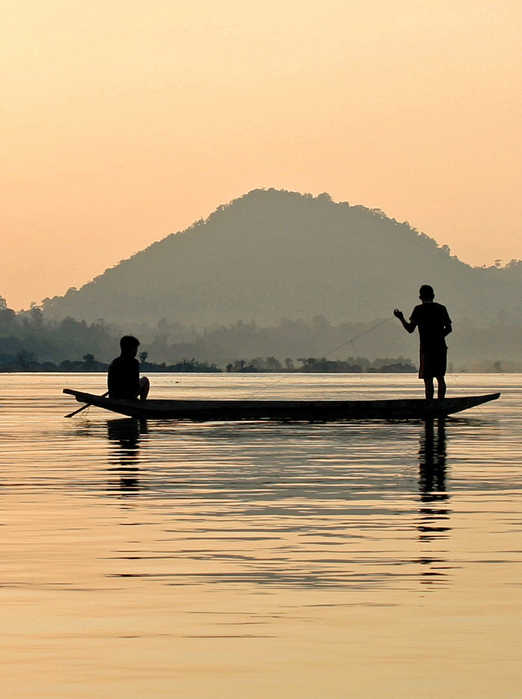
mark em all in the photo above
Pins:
pixel 357 337
pixel 335 349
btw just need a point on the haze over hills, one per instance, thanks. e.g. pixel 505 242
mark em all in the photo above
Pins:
pixel 275 254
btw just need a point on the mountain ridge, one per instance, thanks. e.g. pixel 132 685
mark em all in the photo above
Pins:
pixel 274 254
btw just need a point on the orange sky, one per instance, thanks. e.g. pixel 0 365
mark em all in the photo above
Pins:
pixel 126 120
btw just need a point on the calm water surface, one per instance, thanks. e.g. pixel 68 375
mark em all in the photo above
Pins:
pixel 259 560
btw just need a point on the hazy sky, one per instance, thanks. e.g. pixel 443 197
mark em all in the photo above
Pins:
pixel 126 120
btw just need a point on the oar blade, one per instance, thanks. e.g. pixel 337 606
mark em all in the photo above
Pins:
pixel 87 405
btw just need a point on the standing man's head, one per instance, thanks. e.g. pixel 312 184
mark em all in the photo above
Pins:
pixel 129 345
pixel 426 293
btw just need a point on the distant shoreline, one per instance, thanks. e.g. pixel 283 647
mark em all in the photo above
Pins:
pixel 312 366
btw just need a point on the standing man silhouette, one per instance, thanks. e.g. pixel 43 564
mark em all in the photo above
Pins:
pixel 434 324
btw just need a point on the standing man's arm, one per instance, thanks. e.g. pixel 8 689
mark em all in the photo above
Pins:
pixel 410 327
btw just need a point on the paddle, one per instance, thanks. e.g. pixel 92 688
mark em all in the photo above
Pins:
pixel 87 405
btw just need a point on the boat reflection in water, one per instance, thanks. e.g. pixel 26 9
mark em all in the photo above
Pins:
pixel 245 478
pixel 434 512
pixel 124 437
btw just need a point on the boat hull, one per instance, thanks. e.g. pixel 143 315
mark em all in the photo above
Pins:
pixel 294 410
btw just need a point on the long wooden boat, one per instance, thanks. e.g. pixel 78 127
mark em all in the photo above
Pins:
pixel 295 410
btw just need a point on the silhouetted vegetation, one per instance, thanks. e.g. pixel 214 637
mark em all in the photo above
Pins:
pixel 29 342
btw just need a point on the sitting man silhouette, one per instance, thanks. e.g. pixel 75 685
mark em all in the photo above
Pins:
pixel 123 379
pixel 434 324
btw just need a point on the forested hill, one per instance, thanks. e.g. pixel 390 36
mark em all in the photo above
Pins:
pixel 276 254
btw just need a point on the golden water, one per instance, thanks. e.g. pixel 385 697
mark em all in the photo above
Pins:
pixel 259 560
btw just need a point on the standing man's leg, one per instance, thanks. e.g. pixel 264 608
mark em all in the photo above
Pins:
pixel 440 374
pixel 428 387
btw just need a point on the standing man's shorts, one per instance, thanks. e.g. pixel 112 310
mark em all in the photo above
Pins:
pixel 432 364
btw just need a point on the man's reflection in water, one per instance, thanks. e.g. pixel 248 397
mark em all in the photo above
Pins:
pixel 434 513
pixel 125 437
pixel 432 461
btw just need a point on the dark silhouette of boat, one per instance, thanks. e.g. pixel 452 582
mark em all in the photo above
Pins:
pixel 295 410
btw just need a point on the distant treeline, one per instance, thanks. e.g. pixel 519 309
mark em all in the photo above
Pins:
pixel 89 363
pixel 30 343
pixel 320 365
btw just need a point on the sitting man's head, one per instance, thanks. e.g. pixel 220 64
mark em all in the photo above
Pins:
pixel 129 345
